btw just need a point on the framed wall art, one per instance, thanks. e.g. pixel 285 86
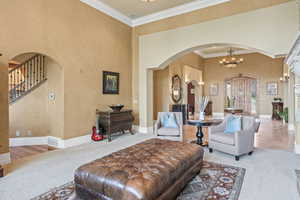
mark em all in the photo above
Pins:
pixel 214 89
pixel 111 82
pixel 272 88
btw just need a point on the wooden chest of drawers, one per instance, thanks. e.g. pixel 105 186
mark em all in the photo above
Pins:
pixel 112 122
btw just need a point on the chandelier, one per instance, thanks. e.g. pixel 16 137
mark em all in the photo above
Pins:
pixel 230 61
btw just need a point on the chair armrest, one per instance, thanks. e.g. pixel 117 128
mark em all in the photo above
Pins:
pixel 157 126
pixel 181 129
pixel 219 128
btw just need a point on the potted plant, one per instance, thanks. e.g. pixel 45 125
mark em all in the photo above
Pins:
pixel 284 115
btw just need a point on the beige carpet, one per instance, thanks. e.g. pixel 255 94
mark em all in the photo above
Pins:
pixel 269 175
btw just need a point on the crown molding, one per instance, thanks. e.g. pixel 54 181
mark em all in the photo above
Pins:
pixel 109 11
pixel 214 55
pixel 178 10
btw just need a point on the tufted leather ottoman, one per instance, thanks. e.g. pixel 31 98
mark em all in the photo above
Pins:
pixel 154 169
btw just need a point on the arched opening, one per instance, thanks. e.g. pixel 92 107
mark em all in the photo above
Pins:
pixel 247 84
pixel 246 49
pixel 35 103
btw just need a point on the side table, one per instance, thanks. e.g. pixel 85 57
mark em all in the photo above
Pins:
pixel 203 123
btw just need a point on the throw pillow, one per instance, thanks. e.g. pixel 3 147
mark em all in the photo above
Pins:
pixel 169 121
pixel 163 119
pixel 233 124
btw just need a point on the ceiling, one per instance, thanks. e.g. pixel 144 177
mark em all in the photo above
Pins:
pixel 137 12
pixel 217 51
pixel 138 8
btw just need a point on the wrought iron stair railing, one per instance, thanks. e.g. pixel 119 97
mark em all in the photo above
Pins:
pixel 26 76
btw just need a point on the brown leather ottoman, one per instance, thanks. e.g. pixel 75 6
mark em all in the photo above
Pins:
pixel 154 169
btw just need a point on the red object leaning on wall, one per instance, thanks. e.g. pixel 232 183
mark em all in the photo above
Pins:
pixel 96 136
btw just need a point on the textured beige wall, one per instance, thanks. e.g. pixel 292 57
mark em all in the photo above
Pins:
pixel 162 81
pixel 55 108
pixel 29 114
pixel 264 68
pixel 79 38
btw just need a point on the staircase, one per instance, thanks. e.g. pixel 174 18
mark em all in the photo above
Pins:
pixel 25 77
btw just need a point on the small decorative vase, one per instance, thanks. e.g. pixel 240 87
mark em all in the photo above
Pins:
pixel 202 116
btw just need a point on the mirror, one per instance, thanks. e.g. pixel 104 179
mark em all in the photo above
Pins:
pixel 176 89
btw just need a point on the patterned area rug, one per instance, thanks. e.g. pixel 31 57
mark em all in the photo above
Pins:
pixel 214 182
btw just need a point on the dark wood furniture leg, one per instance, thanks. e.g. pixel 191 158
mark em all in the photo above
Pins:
pixel 109 135
pixel 130 130
pixel 1 171
pixel 199 135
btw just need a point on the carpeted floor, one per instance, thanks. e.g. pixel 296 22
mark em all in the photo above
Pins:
pixel 270 173
pixel 214 182
pixel 298 180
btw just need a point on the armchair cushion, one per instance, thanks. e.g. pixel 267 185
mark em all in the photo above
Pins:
pixel 233 124
pixel 223 138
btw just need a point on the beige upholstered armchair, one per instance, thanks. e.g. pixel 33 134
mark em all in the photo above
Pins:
pixel 237 144
pixel 169 133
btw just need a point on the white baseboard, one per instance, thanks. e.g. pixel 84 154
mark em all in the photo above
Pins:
pixel 265 116
pixel 27 141
pixel 146 129
pixel 291 127
pixel 50 140
pixel 5 158
pixel 297 148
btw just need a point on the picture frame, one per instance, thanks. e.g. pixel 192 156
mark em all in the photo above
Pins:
pixel 110 82
pixel 272 88
pixel 214 89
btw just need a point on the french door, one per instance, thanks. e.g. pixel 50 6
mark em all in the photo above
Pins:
pixel 241 92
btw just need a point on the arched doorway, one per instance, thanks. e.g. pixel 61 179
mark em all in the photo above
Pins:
pixel 146 80
pixel 35 103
